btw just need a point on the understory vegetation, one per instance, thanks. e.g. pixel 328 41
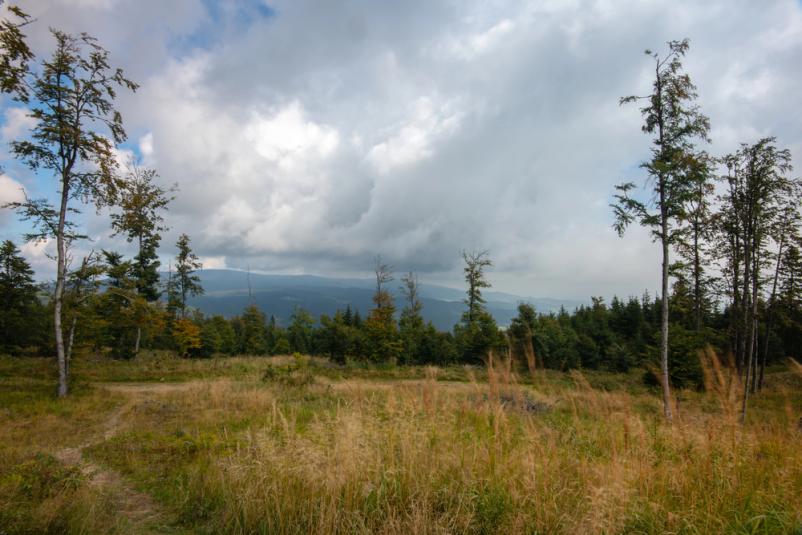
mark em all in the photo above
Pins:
pixel 297 444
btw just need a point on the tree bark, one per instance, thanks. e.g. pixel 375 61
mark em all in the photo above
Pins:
pixel 746 395
pixel 750 315
pixel 736 296
pixel 664 272
pixel 70 340
pixel 745 307
pixel 138 338
pixel 58 297
pixel 754 334
pixel 664 326
pixel 769 314
pixel 697 278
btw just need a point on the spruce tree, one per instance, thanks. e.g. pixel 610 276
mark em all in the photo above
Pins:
pixel 17 298
pixel 184 283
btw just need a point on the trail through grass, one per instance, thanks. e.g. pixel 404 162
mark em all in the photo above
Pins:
pixel 296 445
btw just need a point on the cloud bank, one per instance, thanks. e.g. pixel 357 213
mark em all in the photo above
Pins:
pixel 311 136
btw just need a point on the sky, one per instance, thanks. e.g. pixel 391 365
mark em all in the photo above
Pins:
pixel 308 137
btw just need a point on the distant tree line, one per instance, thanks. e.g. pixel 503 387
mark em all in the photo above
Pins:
pixel 618 336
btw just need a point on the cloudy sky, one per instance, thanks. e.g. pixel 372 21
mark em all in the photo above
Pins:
pixel 307 137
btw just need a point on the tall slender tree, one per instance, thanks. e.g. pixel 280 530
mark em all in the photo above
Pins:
pixel 785 233
pixel 475 264
pixel 184 283
pixel 380 325
pixel 71 99
pixel 696 228
pixel 477 333
pixel 411 325
pixel 758 192
pixel 140 220
pixel 676 123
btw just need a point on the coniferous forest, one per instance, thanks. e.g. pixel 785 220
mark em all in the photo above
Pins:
pixel 724 331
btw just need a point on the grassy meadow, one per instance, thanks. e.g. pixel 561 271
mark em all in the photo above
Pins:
pixel 298 445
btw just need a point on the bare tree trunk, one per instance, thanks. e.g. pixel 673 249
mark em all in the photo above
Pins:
pixel 697 275
pixel 755 344
pixel 746 395
pixel 736 297
pixel 743 347
pixel 664 324
pixel 138 338
pixel 753 326
pixel 751 312
pixel 70 340
pixel 769 314
pixel 58 296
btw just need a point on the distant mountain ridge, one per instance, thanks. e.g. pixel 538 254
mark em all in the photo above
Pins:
pixel 226 293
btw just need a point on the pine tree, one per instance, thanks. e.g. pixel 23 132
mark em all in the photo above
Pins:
pixel 17 298
pixel 380 326
pixel 410 325
pixel 477 334
pixel 253 336
pixel 300 331
pixel 184 283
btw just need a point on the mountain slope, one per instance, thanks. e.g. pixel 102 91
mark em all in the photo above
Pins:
pixel 227 293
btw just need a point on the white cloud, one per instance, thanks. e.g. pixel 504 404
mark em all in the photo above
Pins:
pixel 18 123
pixel 288 138
pixel 213 262
pixel 415 139
pixel 10 190
pixel 39 255
pixel 146 145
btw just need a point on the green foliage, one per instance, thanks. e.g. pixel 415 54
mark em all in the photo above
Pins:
pixel 383 343
pixel 477 338
pixel 411 326
pixel 339 338
pixel 252 332
pixel 15 54
pixel 301 331
pixel 217 337
pixel 185 283
pixel 140 220
pixel 475 264
pixel 477 334
pixel 76 128
pixel 19 306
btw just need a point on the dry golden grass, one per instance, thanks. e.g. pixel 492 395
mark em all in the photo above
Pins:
pixel 350 455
